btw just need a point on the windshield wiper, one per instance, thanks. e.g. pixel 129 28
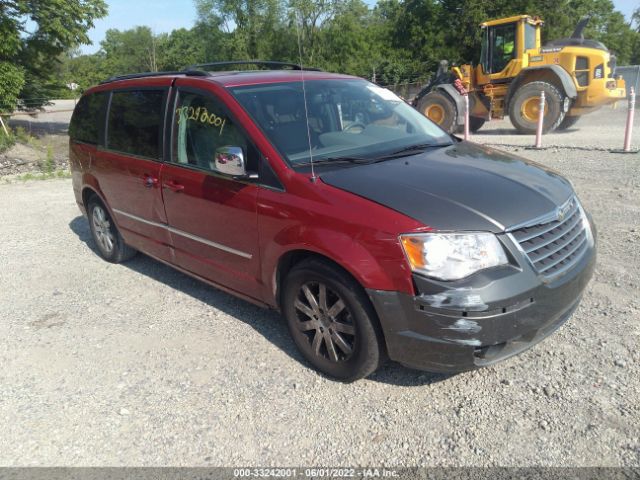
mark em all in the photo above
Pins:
pixel 420 147
pixel 339 160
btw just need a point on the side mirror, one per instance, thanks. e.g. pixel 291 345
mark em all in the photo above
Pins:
pixel 230 161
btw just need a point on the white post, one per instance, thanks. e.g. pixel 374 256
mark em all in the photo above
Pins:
pixel 540 121
pixel 6 132
pixel 630 115
pixel 466 116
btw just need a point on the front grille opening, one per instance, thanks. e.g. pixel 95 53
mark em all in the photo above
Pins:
pixel 582 63
pixel 582 71
pixel 555 246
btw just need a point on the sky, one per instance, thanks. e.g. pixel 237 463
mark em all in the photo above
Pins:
pixel 166 15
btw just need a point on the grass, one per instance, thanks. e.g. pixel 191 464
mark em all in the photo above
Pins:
pixel 6 141
pixel 38 176
pixel 49 165
pixel 21 135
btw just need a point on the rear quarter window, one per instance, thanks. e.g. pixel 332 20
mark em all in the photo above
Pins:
pixel 135 122
pixel 87 121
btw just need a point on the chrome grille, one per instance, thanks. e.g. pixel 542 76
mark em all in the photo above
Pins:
pixel 554 246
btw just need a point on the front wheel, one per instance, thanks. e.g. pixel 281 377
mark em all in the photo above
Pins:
pixel 475 123
pixel 440 109
pixel 568 122
pixel 524 107
pixel 332 321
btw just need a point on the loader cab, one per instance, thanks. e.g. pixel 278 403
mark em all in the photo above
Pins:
pixel 505 43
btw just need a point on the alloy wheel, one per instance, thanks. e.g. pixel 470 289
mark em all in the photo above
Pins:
pixel 324 318
pixel 102 229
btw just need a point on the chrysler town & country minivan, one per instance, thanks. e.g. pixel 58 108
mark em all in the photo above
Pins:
pixel 328 198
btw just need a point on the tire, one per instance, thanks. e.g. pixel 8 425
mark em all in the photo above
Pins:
pixel 105 235
pixel 440 109
pixel 568 122
pixel 476 123
pixel 523 108
pixel 339 336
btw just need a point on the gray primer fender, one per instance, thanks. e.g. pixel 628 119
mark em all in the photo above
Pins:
pixel 567 82
pixel 456 97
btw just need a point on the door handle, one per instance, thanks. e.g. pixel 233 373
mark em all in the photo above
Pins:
pixel 171 185
pixel 149 181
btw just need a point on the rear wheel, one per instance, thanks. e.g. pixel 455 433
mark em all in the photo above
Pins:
pixel 332 321
pixel 106 236
pixel 524 107
pixel 568 122
pixel 440 109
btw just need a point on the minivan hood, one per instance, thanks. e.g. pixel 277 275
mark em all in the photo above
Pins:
pixel 459 187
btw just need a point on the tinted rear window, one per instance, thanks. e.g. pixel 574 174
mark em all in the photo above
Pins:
pixel 135 122
pixel 87 122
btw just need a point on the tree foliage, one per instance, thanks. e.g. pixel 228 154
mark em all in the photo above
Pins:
pixel 393 41
pixel 33 34
pixel 10 86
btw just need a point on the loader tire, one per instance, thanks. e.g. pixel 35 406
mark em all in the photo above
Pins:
pixel 476 123
pixel 525 105
pixel 568 122
pixel 440 109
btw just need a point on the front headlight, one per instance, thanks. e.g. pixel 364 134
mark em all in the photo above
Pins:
pixel 452 256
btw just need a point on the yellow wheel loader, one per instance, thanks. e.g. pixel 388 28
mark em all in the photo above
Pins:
pixel 577 76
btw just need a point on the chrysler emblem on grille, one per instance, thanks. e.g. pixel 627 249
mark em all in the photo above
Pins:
pixel 562 211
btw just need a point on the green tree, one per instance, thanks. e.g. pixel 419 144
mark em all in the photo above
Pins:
pixel 251 24
pixel 307 18
pixel 10 86
pixel 180 48
pixel 349 42
pixel 33 35
pixel 84 70
pixel 133 50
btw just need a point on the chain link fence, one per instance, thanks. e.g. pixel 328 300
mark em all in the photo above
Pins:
pixel 407 91
pixel 631 75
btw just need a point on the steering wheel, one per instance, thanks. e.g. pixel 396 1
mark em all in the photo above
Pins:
pixel 359 125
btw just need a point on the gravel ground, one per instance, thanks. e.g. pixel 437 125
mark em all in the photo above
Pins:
pixel 137 364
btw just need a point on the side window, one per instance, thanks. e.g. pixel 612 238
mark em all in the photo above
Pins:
pixel 87 122
pixel 201 126
pixel 529 36
pixel 135 122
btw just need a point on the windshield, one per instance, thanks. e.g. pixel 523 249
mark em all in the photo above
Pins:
pixel 347 118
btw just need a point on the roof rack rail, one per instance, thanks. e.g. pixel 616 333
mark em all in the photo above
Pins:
pixel 129 76
pixel 266 63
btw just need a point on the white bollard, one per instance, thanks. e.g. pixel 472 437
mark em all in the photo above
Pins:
pixel 540 121
pixel 466 117
pixel 630 115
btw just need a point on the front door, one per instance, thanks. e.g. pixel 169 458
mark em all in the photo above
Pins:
pixel 499 57
pixel 212 218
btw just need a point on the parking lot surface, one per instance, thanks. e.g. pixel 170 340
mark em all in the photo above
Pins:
pixel 137 364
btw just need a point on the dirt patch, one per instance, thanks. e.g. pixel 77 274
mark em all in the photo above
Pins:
pixel 44 154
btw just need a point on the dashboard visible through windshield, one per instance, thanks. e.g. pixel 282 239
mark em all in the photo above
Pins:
pixel 347 119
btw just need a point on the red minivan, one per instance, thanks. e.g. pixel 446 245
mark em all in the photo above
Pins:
pixel 374 232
